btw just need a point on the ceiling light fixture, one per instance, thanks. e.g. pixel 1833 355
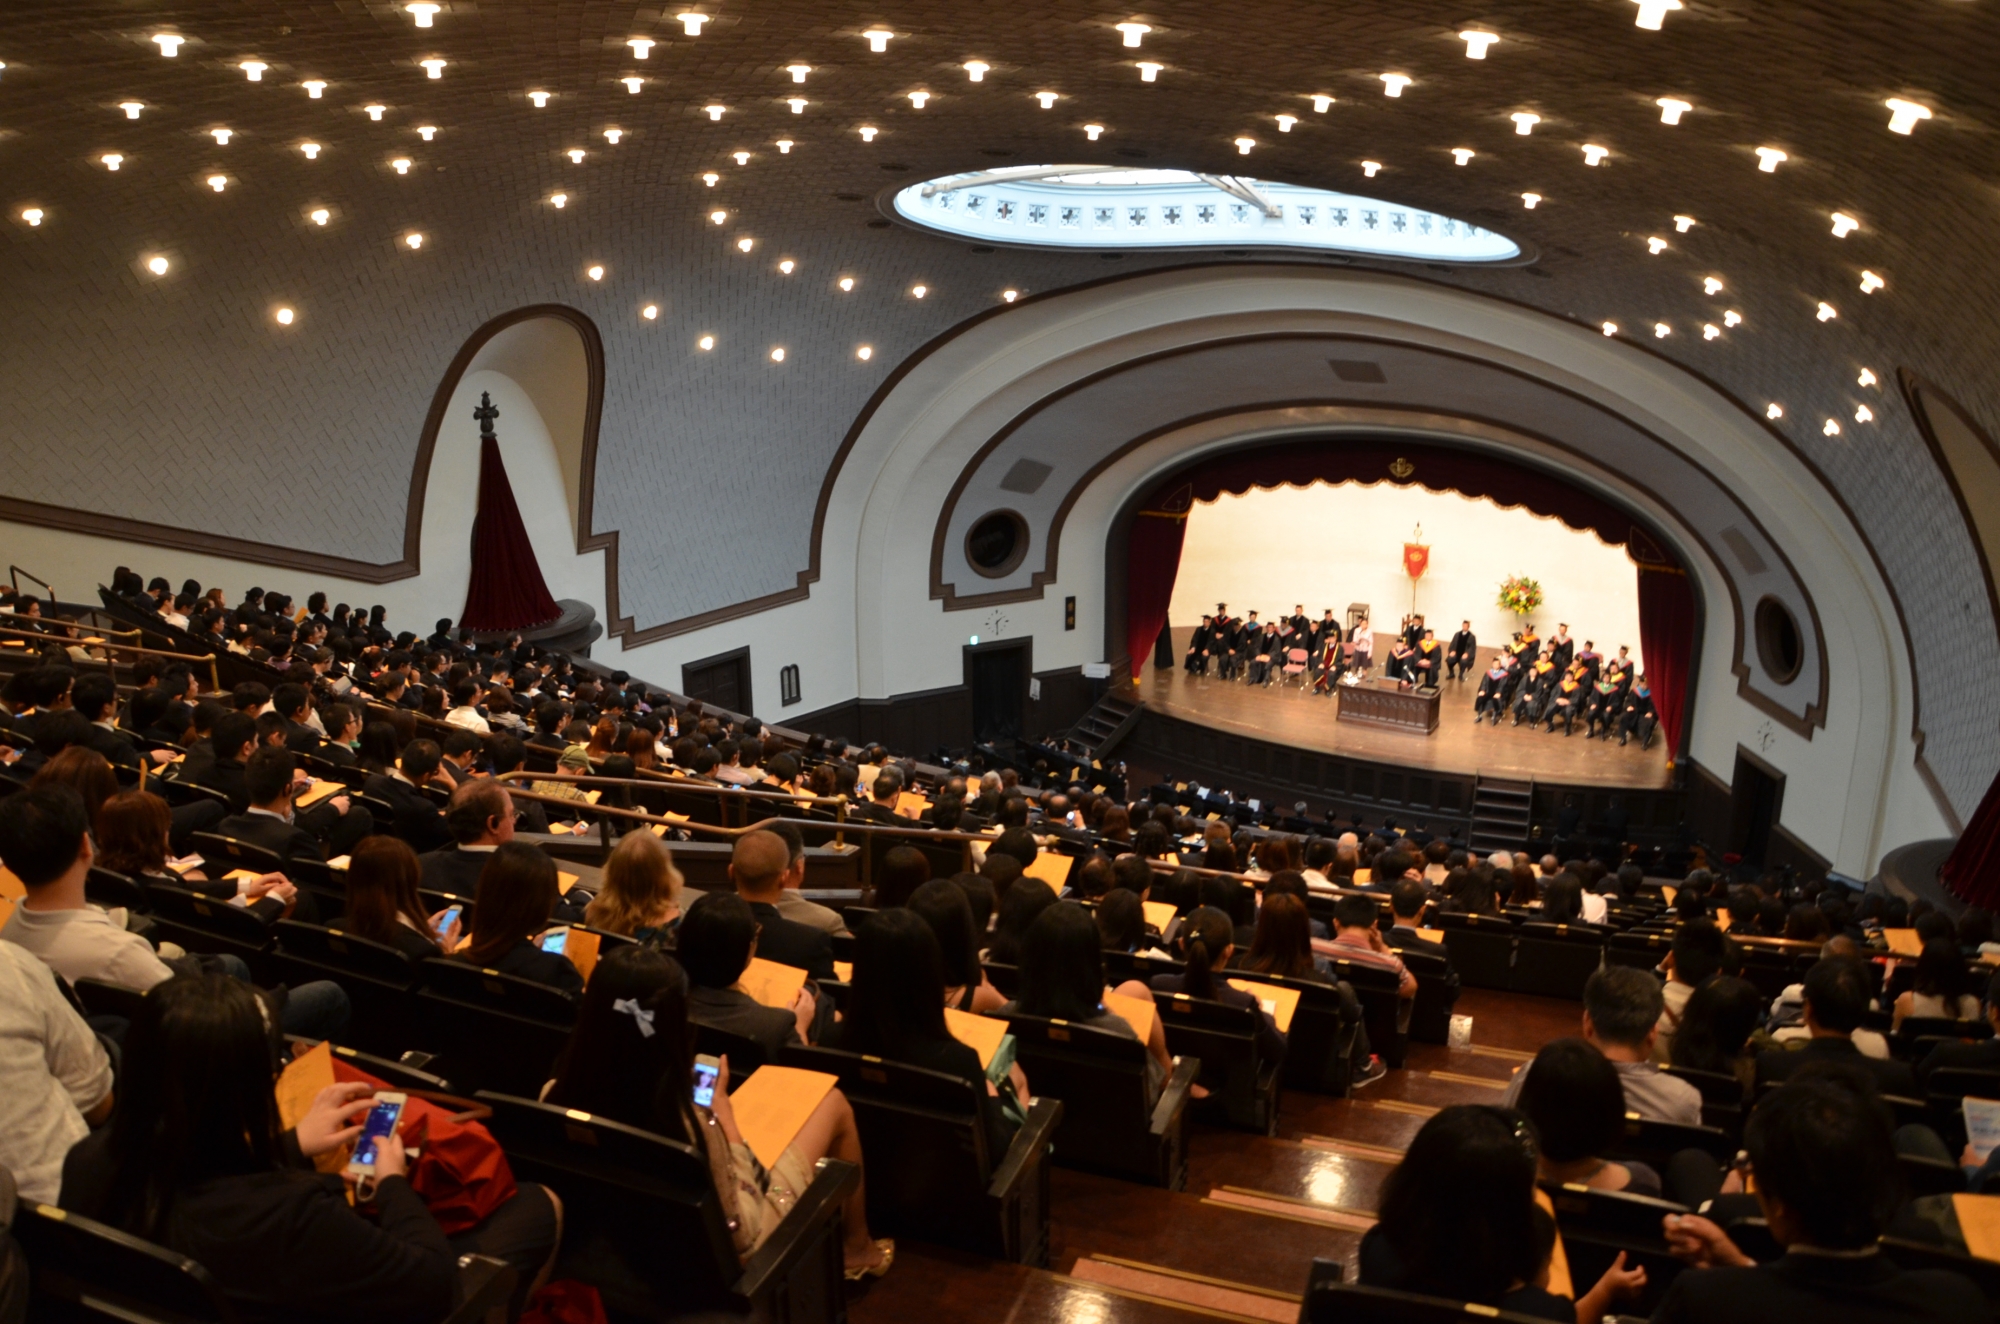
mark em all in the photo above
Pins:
pixel 1529 200
pixel 157 265
pixel 1149 72
pixel 1525 121
pixel 633 83
pixel 375 112
pixel 1863 414
pixel 320 215
pixel 715 112
pixel 32 215
pixel 1903 115
pixel 414 240
pixel 1611 328
pixel 1656 245
pixel 1685 223
pixel 1827 312
pixel 1831 428
pixel 170 46
pixel 798 71
pixel 218 182
pixel 1462 154
pixel 541 99
pixel 787 266
pixel 742 158
pixel 1867 377
pixel 1048 99
pixel 1661 330
pixel 642 47
pixel 254 69
pixel 1477 42
pixel 559 200
pixel 1671 109
pixel 1710 330
pixel 131 108
pixel 918 99
pixel 1773 411
pixel 1393 84
pixel 1010 295
pixel 705 343
pixel 1093 131
pixel 1592 153
pixel 1711 286
pixel 711 178
pixel 691 22
pixel 919 291
pixel 1321 103
pixel 594 272
pixel 111 160
pixel 846 283
pixel 1369 168
pixel 434 67
pixel 1654 12
pixel 976 70
pixel 650 311
pixel 427 131
pixel 575 155
pixel 423 13
pixel 798 105
pixel 402 165
pixel 777 353
pixel 221 136
pixel 1243 146
pixel 864 352
pixel 313 87
pixel 284 316
pixel 1870 282
pixel 784 146
pixel 745 245
pixel 1768 159
pixel 879 39
pixel 613 135
pixel 718 217
pixel 1133 32
pixel 311 150
pixel 1285 123
pixel 1732 318
pixel 868 132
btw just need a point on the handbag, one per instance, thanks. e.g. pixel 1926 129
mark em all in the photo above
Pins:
pixel 460 1172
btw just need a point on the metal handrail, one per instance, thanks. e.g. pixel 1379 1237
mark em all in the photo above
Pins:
pixel 192 659
pixel 15 574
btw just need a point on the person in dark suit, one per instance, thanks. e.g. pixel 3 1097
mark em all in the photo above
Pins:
pixel 1825 1165
pixel 881 807
pixel 417 819
pixel 517 895
pixel 480 820
pixel 1836 996
pixel 757 867
pixel 232 739
pixel 1459 654
pixel 1562 648
pixel 343 732
pixel 95 698
pixel 507 754
pixel 717 938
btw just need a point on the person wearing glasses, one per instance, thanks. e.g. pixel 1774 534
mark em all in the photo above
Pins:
pixel 481 819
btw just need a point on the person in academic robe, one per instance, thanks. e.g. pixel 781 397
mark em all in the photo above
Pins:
pixel 1640 716
pixel 1299 620
pixel 1591 661
pixel 1607 701
pixel 1490 698
pixel 1198 647
pixel 1562 648
pixel 1328 628
pixel 1263 646
pixel 1224 634
pixel 1413 629
pixel 1400 654
pixel 1567 700
pixel 1526 646
pixel 1332 661
pixel 1427 660
pixel 1539 680
pixel 1459 655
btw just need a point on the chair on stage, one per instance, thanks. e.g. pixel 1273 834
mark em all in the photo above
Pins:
pixel 1295 664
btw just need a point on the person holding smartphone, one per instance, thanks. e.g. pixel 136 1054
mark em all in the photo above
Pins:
pixel 517 895
pixel 383 904
pixel 194 1160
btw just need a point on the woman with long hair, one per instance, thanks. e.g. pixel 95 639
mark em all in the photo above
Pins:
pixel 941 904
pixel 1207 939
pixel 603 738
pixel 383 905
pixel 1715 1028
pixel 1523 888
pixel 517 895
pixel 629 1060
pixel 84 771
pixel 1020 906
pixel 195 1160
pixel 1121 919
pixel 1062 978
pixel 640 895
pixel 902 871
pixel 131 830
pixel 1573 1096
pixel 379 749
pixel 1117 824
pixel 1939 991
pixel 1283 945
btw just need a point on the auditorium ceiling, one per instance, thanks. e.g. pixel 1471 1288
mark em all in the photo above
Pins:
pixel 1792 201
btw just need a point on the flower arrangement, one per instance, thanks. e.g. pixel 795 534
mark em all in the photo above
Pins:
pixel 1520 595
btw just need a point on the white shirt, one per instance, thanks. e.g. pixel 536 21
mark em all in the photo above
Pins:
pixel 1595 908
pixel 469 718
pixel 1318 882
pixel 55 1072
pixel 87 944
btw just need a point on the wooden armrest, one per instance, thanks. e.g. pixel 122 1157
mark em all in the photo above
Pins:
pixel 1174 1098
pixel 484 1285
pixel 1031 1145
pixel 791 1239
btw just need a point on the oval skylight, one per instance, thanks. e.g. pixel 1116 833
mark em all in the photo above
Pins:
pixel 1083 206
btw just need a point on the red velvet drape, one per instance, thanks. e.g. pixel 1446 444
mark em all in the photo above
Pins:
pixel 1666 641
pixel 1153 562
pixel 1972 871
pixel 507 590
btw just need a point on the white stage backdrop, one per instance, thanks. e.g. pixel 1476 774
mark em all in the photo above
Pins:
pixel 1328 546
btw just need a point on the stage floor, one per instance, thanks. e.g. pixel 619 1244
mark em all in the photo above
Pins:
pixel 1291 715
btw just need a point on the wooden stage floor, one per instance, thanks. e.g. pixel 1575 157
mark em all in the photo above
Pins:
pixel 1290 715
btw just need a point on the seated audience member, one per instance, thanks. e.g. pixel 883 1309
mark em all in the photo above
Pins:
pixel 1121 920
pixel 414 817
pixel 757 867
pixel 1020 906
pixel 940 904
pixel 718 937
pixel 881 806
pixel 1977 1054
pixel 1940 988
pixel 194 1161
pixel 1406 904
pixel 1458 1221
pixel 1621 1014
pixel 132 831
pixel 1206 941
pixel 1358 938
pixel 1562 902
pixel 1696 956
pixel 517 895
pixel 903 869
pixel 383 905
pixel 1715 1027
pixel 1835 999
pixel 58 1076
pixel 1062 978
pixel 480 820
pixel 640 895
pixel 1826 1183
pixel 1283 943
pixel 791 903
pixel 628 1059
pixel 1578 1108
pixel 272 821
pixel 897 1008
pixel 1001 872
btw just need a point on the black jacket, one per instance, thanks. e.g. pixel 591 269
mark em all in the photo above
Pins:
pixel 453 871
pixel 1824 1289
pixel 527 961
pixel 789 942
pixel 287 841
pixel 415 818
pixel 1776 1065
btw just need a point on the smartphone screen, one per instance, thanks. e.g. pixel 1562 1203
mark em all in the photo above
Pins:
pixel 382 1119
pixel 450 917
pixel 556 941
pixel 706 1069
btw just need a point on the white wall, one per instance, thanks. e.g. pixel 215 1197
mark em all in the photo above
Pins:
pixel 1328 546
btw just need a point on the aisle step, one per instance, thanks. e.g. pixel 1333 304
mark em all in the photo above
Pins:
pixel 1354 1149
pixel 1296 1208
pixel 1217 1297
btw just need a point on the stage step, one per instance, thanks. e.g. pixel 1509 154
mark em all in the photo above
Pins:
pixel 1501 813
pixel 1106 723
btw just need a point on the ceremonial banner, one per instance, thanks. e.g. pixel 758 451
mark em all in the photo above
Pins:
pixel 1416 559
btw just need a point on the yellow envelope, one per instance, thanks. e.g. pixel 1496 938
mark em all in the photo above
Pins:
pixel 582 949
pixel 298 1085
pixel 12 888
pixel 1903 942
pixel 1050 868
pixel 772 1105
pixel 1431 935
pixel 772 984
pixel 1159 914
pixel 1979 1219
pixel 1139 1013
pixel 844 972
pixel 1282 1003
pixel 565 881
pixel 1559 1281
pixel 321 789
pixel 982 1034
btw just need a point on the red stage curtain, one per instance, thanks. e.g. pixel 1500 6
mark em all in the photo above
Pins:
pixel 1666 638
pixel 507 590
pixel 1972 871
pixel 1152 564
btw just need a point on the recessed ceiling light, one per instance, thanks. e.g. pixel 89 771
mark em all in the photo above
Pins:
pixel 1611 328
pixel 311 150
pixel 559 200
pixel 787 266
pixel 846 283
pixel 785 146
pixel 1477 42
pixel 170 45
pixel 1462 154
pixel 642 47
pixel 1243 146
pixel 1827 312
pixel 1322 103
pixel 1710 330
pixel 868 132
pixel 1732 318
pixel 32 215
pixel 1393 84
pixel 1048 99
pixel 715 112
pixel 777 353
pixel 742 158
pixel 1671 109
pixel 798 105
pixel 1903 115
pixel 1768 159
pixel 746 244
pixel 314 87
pixel 633 83
pixel 650 311
pixel 1661 330
pixel 594 272
pixel 1149 71
pixel 718 216
pixel 1132 32
pixel 427 131
pixel 131 108
pixel 401 165
pixel 1831 428
pixel 1867 377
pixel 1657 245
pixel 976 70
pixel 1773 410
pixel 1844 225
pixel 706 342
pixel 919 291
pixel 711 179
pixel 1369 168
pixel 1529 200
pixel 1654 12
pixel 375 112
pixel 433 67
pixel 879 39
pixel 221 136
pixel 575 155
pixel 1863 414
pixel 541 99
pixel 918 99
pixel 798 71
pixel 864 352
pixel 1285 123
pixel 218 182
pixel 254 69
pixel 1870 282
pixel 112 160
pixel 157 265
pixel 1010 295
pixel 414 240
pixel 691 22
pixel 1711 286
pixel 613 135
pixel 320 215
pixel 1525 121
pixel 1093 131
pixel 1592 153
pixel 284 316
pixel 423 13
pixel 1685 223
